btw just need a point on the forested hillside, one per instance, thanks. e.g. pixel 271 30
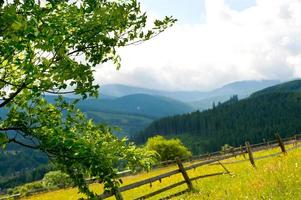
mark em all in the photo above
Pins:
pixel 259 116
pixel 291 86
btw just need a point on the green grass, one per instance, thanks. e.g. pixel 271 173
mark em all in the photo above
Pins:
pixel 275 178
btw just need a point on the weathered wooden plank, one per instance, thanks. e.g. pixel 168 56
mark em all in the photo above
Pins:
pixel 251 158
pixel 280 142
pixel 161 190
pixel 210 161
pixel 178 184
pixel 175 195
pixel 208 175
pixel 184 173
pixel 143 182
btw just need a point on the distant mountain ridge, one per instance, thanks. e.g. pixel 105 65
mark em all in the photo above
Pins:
pixel 119 90
pixel 196 99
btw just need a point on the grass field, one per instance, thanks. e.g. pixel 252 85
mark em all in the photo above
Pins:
pixel 275 178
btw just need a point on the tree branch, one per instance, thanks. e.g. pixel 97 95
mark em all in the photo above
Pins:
pixel 22 144
pixel 12 96
pixel 54 92
pixel 10 129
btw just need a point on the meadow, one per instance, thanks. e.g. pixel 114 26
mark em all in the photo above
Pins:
pixel 274 178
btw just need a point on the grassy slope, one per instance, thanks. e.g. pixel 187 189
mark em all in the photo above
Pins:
pixel 275 178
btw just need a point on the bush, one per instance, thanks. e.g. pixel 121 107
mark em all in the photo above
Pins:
pixel 227 149
pixel 167 149
pixel 25 189
pixel 57 179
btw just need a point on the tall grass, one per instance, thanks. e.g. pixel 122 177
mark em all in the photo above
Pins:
pixel 274 178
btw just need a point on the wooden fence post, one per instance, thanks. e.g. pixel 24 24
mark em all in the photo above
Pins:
pixel 280 142
pixel 296 141
pixel 242 151
pixel 184 173
pixel 118 194
pixel 265 141
pixel 249 150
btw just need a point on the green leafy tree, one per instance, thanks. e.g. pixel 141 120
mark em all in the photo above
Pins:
pixel 52 47
pixel 167 149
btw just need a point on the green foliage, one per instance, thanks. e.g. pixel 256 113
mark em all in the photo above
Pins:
pixel 53 47
pixel 27 188
pixel 167 149
pixel 227 149
pixel 57 179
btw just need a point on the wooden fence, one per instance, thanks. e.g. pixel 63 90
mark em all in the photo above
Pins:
pixel 201 160
pixel 212 158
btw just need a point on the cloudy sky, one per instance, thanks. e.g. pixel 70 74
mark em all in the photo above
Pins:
pixel 213 43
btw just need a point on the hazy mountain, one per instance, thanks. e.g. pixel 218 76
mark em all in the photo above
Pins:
pixel 242 88
pixel 138 104
pixel 197 99
pixel 119 90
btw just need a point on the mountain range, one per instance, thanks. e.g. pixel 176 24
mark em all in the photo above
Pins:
pixel 198 100
pixel 134 108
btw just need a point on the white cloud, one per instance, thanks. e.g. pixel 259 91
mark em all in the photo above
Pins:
pixel 261 42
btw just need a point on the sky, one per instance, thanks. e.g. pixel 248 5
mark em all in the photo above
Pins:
pixel 214 42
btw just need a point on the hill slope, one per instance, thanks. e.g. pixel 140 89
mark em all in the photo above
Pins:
pixel 254 118
pixel 132 113
pixel 138 104
pixel 291 86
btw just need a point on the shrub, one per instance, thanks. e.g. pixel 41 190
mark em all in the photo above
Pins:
pixel 227 149
pixel 167 149
pixel 27 188
pixel 56 179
